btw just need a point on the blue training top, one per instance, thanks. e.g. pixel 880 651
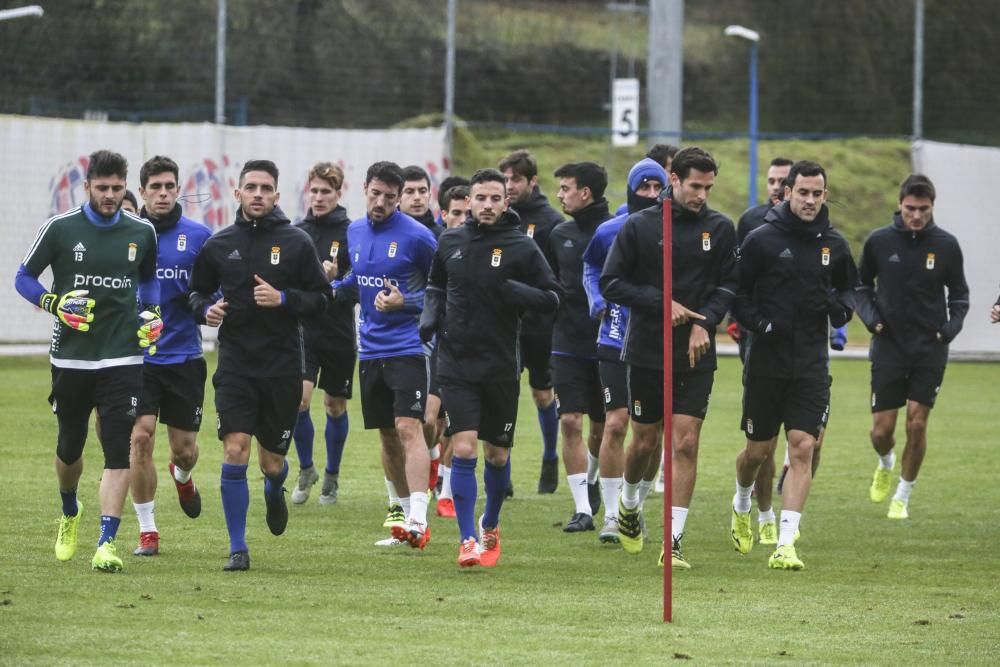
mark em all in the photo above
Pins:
pixel 177 249
pixel 397 251
pixel 612 331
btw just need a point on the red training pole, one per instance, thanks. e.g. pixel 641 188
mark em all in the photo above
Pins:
pixel 668 406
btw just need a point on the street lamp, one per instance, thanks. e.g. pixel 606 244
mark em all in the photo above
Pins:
pixel 753 37
pixel 20 12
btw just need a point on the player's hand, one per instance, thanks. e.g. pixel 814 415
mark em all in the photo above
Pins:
pixel 389 299
pixel 995 314
pixel 215 313
pixel 74 308
pixel 264 295
pixel 151 329
pixel 680 315
pixel 698 344
pixel 331 269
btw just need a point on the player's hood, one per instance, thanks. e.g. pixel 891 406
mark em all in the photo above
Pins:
pixel 273 219
pixel 781 216
pixel 897 225
pixel 335 217
pixel 509 219
pixel 644 170
pixel 535 201
pixel 167 222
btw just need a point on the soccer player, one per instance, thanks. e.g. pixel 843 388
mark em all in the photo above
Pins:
pixel 329 339
pixel 391 257
pixel 270 277
pixel 173 379
pixel 704 283
pixel 485 273
pixel 538 219
pixel 130 203
pixel 661 154
pixel 796 278
pixel 646 180
pixel 575 368
pixel 103 260
pixel 913 298
pixel 415 200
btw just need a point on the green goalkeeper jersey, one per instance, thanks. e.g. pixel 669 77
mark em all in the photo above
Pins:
pixel 107 261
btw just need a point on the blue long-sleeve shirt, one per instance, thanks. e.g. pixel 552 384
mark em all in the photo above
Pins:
pixel 397 251
pixel 615 319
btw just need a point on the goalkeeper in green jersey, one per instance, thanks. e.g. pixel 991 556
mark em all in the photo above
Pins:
pixel 103 263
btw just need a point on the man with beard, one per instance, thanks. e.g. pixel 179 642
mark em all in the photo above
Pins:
pixel 538 219
pixel 704 284
pixel 103 263
pixel 329 339
pixel 173 379
pixel 270 277
pixel 796 278
pixel 646 180
pixel 913 299
pixel 575 369
pixel 485 274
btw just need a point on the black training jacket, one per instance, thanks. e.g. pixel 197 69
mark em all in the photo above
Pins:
pixel 796 279
pixel 703 275
pixel 430 222
pixel 751 219
pixel 483 277
pixel 575 331
pixel 538 219
pixel 256 341
pixel 333 329
pixel 904 275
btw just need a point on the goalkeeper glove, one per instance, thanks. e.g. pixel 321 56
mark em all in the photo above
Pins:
pixel 73 308
pixel 151 329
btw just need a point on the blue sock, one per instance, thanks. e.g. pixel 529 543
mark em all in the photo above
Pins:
pixel 463 490
pixel 336 435
pixel 109 528
pixel 235 501
pixel 303 436
pixel 272 485
pixel 69 502
pixel 548 419
pixel 495 479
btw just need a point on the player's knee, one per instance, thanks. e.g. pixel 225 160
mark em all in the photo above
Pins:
pixel 116 440
pixel 142 446
pixel 686 446
pixel 571 422
pixel 335 406
pixel 69 448
pixel 409 429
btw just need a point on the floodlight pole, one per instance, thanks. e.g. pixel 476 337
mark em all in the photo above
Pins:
pixel 918 71
pixel 753 37
pixel 668 408
pixel 220 64
pixel 21 12
pixel 449 83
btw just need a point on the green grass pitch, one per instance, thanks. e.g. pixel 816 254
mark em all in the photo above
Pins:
pixel 923 591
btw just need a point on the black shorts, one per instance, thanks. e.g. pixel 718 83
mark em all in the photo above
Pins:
pixel 801 404
pixel 489 408
pixel 614 379
pixel 578 385
pixel 175 393
pixel 266 408
pixel 645 394
pixel 536 356
pixel 393 387
pixel 892 387
pixel 433 387
pixel 114 392
pixel 334 368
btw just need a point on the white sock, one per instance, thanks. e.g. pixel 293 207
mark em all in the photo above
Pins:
pixel 630 495
pixel 889 460
pixel 741 501
pixel 902 491
pixel 390 489
pixel 144 512
pixel 418 507
pixel 578 487
pixel 678 516
pixel 593 469
pixel 789 524
pixel 181 475
pixel 645 486
pixel 445 473
pixel 788 458
pixel 435 452
pixel 405 502
pixel 611 488
pixel 763 516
